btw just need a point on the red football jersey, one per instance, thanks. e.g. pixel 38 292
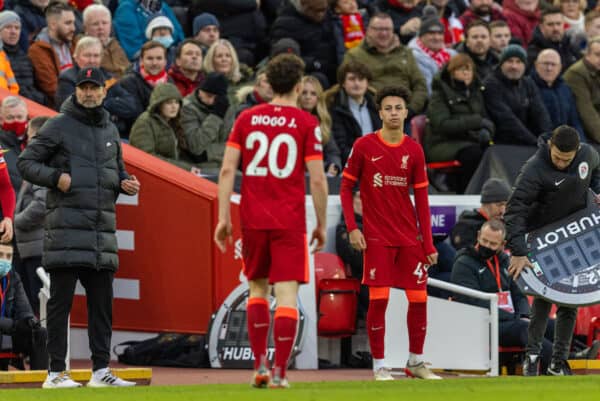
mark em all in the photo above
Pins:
pixel 275 142
pixel 385 172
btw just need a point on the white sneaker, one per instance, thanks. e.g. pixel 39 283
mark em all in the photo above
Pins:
pixel 105 378
pixel 420 371
pixel 383 374
pixel 60 380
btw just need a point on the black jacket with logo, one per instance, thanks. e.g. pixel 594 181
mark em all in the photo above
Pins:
pixel 543 194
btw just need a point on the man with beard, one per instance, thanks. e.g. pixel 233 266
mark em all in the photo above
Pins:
pixel 186 72
pixel 513 101
pixel 550 34
pixel 51 53
pixel 483 10
pixel 71 156
pixel 477 46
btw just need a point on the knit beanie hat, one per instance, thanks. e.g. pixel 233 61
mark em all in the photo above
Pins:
pixel 158 22
pixel 495 190
pixel 8 17
pixel 215 83
pixel 202 20
pixel 430 22
pixel 513 51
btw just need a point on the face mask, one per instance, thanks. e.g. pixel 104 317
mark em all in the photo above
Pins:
pixel 5 266
pixel 486 252
pixel 166 41
pixel 18 127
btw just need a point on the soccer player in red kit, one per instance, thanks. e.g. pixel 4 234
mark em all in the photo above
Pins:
pixel 275 143
pixel 397 242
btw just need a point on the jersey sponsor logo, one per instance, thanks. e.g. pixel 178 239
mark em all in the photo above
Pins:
pixel 377 180
pixel 583 169
pixel 374 159
pixel 557 183
pixel 404 162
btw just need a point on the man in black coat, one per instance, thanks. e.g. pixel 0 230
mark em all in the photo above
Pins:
pixel 406 15
pixel 550 34
pixel 310 23
pixel 513 101
pixel 77 155
pixel 552 184
pixel 477 45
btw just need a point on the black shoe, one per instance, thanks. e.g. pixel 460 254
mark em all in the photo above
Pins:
pixel 559 367
pixel 587 353
pixel 531 365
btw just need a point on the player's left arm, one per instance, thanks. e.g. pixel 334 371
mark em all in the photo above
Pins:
pixel 420 186
pixel 231 160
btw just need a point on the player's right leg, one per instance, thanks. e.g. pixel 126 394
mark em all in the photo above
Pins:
pixel 257 263
pixel 378 300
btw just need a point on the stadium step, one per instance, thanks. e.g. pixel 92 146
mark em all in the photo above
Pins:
pixel 35 378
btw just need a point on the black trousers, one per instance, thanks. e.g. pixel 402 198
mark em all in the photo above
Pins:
pixel 29 341
pixel 99 292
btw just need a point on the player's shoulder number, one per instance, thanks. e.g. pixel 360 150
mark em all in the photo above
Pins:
pixel 271 149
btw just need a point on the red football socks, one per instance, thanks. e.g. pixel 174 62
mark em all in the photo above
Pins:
pixel 284 334
pixel 258 319
pixel 376 326
pixel 416 319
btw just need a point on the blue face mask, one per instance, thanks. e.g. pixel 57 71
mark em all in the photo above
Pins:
pixel 5 266
pixel 166 41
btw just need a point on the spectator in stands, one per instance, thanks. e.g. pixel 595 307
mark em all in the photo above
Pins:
pixel 405 14
pixel 477 45
pixel 481 10
pixel 351 256
pixel 33 20
pixel 203 122
pixel 7 76
pixel 97 22
pixel 557 96
pixel 429 49
pixel 249 96
pixel 10 31
pixel 513 101
pixel 499 37
pixel 186 73
pixel 390 62
pixel 17 320
pixel 158 130
pixel 51 52
pixel 222 57
pixel 13 136
pixel 68 155
pixel 349 24
pixel 352 106
pixel 550 34
pixel 131 96
pixel 131 19
pixel 311 24
pixel 206 30
pixel 522 17
pixel 573 16
pixel 241 22
pixel 494 196
pixel 88 53
pixel 458 127
pixel 584 80
pixel 312 100
pixel 447 11
pixel 30 211
pixel 160 29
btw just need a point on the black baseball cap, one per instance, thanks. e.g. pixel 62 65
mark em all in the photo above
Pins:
pixel 90 74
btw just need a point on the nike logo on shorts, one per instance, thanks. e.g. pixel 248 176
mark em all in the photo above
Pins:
pixel 259 325
pixel 377 328
pixel 285 338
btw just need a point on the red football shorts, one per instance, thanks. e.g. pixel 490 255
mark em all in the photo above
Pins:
pixel 398 267
pixel 279 255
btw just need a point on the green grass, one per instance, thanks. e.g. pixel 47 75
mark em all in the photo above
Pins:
pixel 584 388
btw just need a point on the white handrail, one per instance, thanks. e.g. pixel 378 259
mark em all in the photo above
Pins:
pixel 493 298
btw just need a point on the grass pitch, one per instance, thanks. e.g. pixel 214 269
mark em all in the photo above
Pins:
pixel 575 388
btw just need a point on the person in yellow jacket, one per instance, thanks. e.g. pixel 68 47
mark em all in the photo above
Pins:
pixel 7 77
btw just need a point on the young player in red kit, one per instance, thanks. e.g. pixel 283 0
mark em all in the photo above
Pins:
pixel 397 249
pixel 275 143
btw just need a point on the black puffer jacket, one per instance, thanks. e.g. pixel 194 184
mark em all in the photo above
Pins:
pixel 316 39
pixel 464 232
pixel 472 272
pixel 516 108
pixel 23 70
pixel 80 224
pixel 568 53
pixel 544 194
